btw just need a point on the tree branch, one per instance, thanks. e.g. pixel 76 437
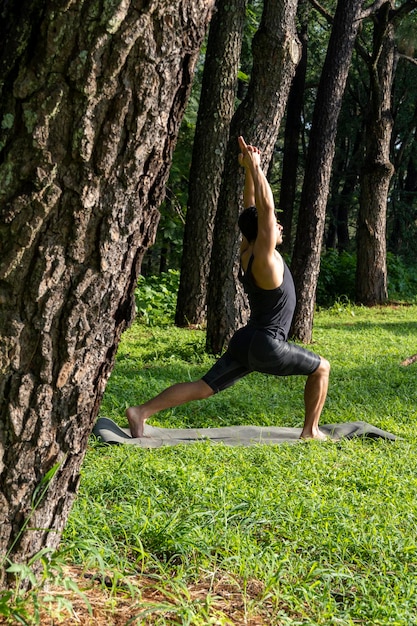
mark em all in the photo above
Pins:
pixel 316 5
pixel 407 58
pixel 373 8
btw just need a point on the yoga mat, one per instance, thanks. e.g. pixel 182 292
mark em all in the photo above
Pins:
pixel 109 432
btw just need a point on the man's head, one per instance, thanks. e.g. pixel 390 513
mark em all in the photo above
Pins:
pixel 248 223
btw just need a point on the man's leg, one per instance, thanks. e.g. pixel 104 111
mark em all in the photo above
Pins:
pixel 178 394
pixel 315 393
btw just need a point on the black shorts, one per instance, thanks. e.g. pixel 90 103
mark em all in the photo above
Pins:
pixel 253 350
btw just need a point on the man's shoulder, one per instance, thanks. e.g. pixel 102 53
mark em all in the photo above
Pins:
pixel 268 271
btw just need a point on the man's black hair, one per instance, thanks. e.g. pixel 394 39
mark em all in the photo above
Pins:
pixel 248 223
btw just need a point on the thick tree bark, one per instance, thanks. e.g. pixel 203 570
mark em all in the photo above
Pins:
pixel 91 102
pixel 276 53
pixel 216 107
pixel 371 274
pixel 306 256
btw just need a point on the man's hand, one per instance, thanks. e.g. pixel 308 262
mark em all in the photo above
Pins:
pixel 249 156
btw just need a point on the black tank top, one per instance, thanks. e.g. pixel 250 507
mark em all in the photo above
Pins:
pixel 271 309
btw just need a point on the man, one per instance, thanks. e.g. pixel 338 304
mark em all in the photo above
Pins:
pixel 262 344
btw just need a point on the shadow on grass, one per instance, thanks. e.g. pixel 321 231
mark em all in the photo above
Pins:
pixel 397 328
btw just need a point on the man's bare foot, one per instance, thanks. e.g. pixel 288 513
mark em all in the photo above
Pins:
pixel 136 421
pixel 318 435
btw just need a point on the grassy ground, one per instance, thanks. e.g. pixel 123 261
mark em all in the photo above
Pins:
pixel 311 533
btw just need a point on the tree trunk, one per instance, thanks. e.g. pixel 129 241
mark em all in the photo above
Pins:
pixel 293 126
pixel 276 53
pixel 371 274
pixel 91 104
pixel 216 107
pixel 306 256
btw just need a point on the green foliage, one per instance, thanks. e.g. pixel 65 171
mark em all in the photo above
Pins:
pixel 156 298
pixel 336 283
pixel 405 33
pixel 337 278
pixel 253 18
pixel 402 279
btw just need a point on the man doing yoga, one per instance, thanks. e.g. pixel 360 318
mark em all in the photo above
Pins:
pixel 262 344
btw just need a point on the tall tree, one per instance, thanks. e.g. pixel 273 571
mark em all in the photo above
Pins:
pixel 276 53
pixel 216 107
pixel 311 218
pixel 377 171
pixel 371 271
pixel 91 100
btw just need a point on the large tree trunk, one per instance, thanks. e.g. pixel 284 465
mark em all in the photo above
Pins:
pixel 91 104
pixel 311 218
pixel 371 274
pixel 216 107
pixel 276 53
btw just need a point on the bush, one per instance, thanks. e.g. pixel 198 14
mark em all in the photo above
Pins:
pixel 402 279
pixel 156 298
pixel 337 278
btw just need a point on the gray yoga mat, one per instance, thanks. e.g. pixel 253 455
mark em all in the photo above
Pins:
pixel 109 432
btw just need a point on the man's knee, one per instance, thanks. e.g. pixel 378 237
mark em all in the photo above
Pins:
pixel 324 367
pixel 205 390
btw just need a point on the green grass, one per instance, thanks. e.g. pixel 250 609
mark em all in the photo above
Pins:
pixel 327 530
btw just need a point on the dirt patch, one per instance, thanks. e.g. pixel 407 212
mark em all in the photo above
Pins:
pixel 144 601
pixel 409 360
